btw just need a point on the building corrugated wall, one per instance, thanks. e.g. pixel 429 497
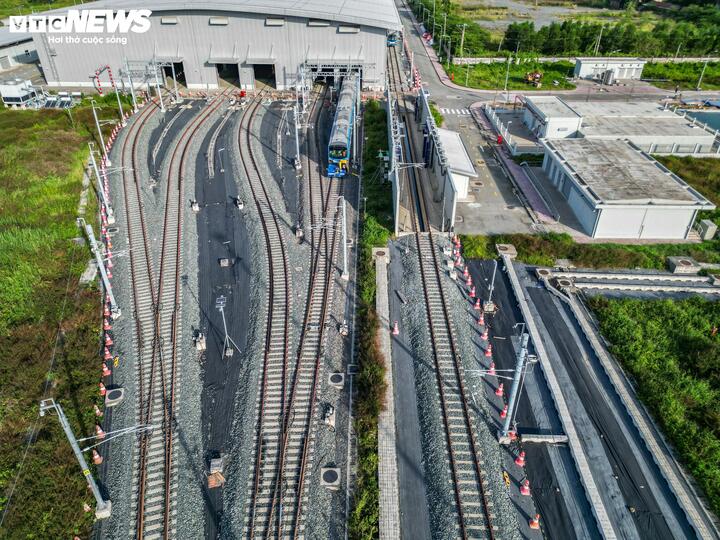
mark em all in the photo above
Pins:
pixel 232 38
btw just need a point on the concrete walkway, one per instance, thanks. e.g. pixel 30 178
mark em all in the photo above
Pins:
pixel 387 455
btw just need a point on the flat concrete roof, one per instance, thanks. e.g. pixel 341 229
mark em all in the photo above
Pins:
pixel 374 13
pixel 457 156
pixel 551 107
pixel 619 108
pixel 617 172
pixel 606 59
pixel 676 127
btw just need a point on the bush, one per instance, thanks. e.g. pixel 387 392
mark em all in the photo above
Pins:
pixel 370 380
pixel 544 249
pixel 672 350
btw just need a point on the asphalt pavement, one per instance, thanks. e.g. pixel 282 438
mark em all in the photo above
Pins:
pixel 645 493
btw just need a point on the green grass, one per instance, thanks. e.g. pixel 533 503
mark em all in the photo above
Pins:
pixel 376 223
pixel 41 161
pixel 436 114
pixel 492 76
pixel 21 7
pixel 701 173
pixel 672 351
pixel 544 249
pixel 685 75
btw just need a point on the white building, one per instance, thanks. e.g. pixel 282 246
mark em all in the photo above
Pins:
pixel 459 163
pixel 649 126
pixel 240 41
pixel 616 191
pixel 548 117
pixel 15 49
pixel 621 68
pixel 18 94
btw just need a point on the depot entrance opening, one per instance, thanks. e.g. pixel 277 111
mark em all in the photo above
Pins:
pixel 228 75
pixel 264 76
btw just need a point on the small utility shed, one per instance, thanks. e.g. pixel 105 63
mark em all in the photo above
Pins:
pixel 460 166
pixel 15 49
pixel 617 191
pixel 622 68
pixel 550 117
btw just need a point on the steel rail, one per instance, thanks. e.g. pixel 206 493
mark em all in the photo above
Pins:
pixel 448 371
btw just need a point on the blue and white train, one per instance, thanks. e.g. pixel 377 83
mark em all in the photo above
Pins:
pixel 340 145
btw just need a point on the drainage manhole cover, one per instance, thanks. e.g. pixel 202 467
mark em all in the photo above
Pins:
pixel 336 378
pixel 380 253
pixel 502 248
pixel 330 476
pixel 477 184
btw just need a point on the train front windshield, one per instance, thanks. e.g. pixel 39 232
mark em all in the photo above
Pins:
pixel 338 152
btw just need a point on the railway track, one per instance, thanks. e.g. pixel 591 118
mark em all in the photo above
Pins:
pixel 276 350
pixel 470 490
pixel 287 420
pixel 156 302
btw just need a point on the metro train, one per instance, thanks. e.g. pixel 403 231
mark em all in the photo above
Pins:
pixel 340 145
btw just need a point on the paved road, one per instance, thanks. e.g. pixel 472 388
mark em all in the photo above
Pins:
pixel 449 95
pixel 645 494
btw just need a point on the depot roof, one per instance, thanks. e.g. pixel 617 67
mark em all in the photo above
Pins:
pixel 374 13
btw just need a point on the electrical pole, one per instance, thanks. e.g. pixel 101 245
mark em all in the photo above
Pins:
pixel 97 125
pixel 345 273
pixel 101 188
pixel 120 109
pixel 597 43
pixel 702 73
pixel 103 508
pixel 507 73
pixel 677 51
pixel 227 349
pixel 114 309
pixel 132 90
pixel 177 94
pixel 157 85
pixel 467 74
pixel 298 165
pixel 519 369
pixel 462 39
pixel 489 305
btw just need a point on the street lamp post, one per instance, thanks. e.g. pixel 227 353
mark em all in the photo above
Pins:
pixel 100 135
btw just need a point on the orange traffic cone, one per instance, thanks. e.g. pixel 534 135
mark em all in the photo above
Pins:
pixel 481 320
pixel 534 523
pixel 468 281
pixel 525 488
pixel 106 354
pixel 500 390
pixel 395 330
pixel 106 311
pixel 106 370
pixel 108 340
pixel 488 351
pixel 503 413
pixel 97 458
pixel 99 433
pixel 485 335
pixel 103 391
pixel 491 371
pixel 520 460
pixel 472 291
pixel 98 412
pixel 106 324
pixel 477 304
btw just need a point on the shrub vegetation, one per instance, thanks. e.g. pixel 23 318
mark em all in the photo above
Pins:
pixel 44 315
pixel 672 351
pixel 376 222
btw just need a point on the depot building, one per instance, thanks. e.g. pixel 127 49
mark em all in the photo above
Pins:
pixel 617 191
pixel 246 43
